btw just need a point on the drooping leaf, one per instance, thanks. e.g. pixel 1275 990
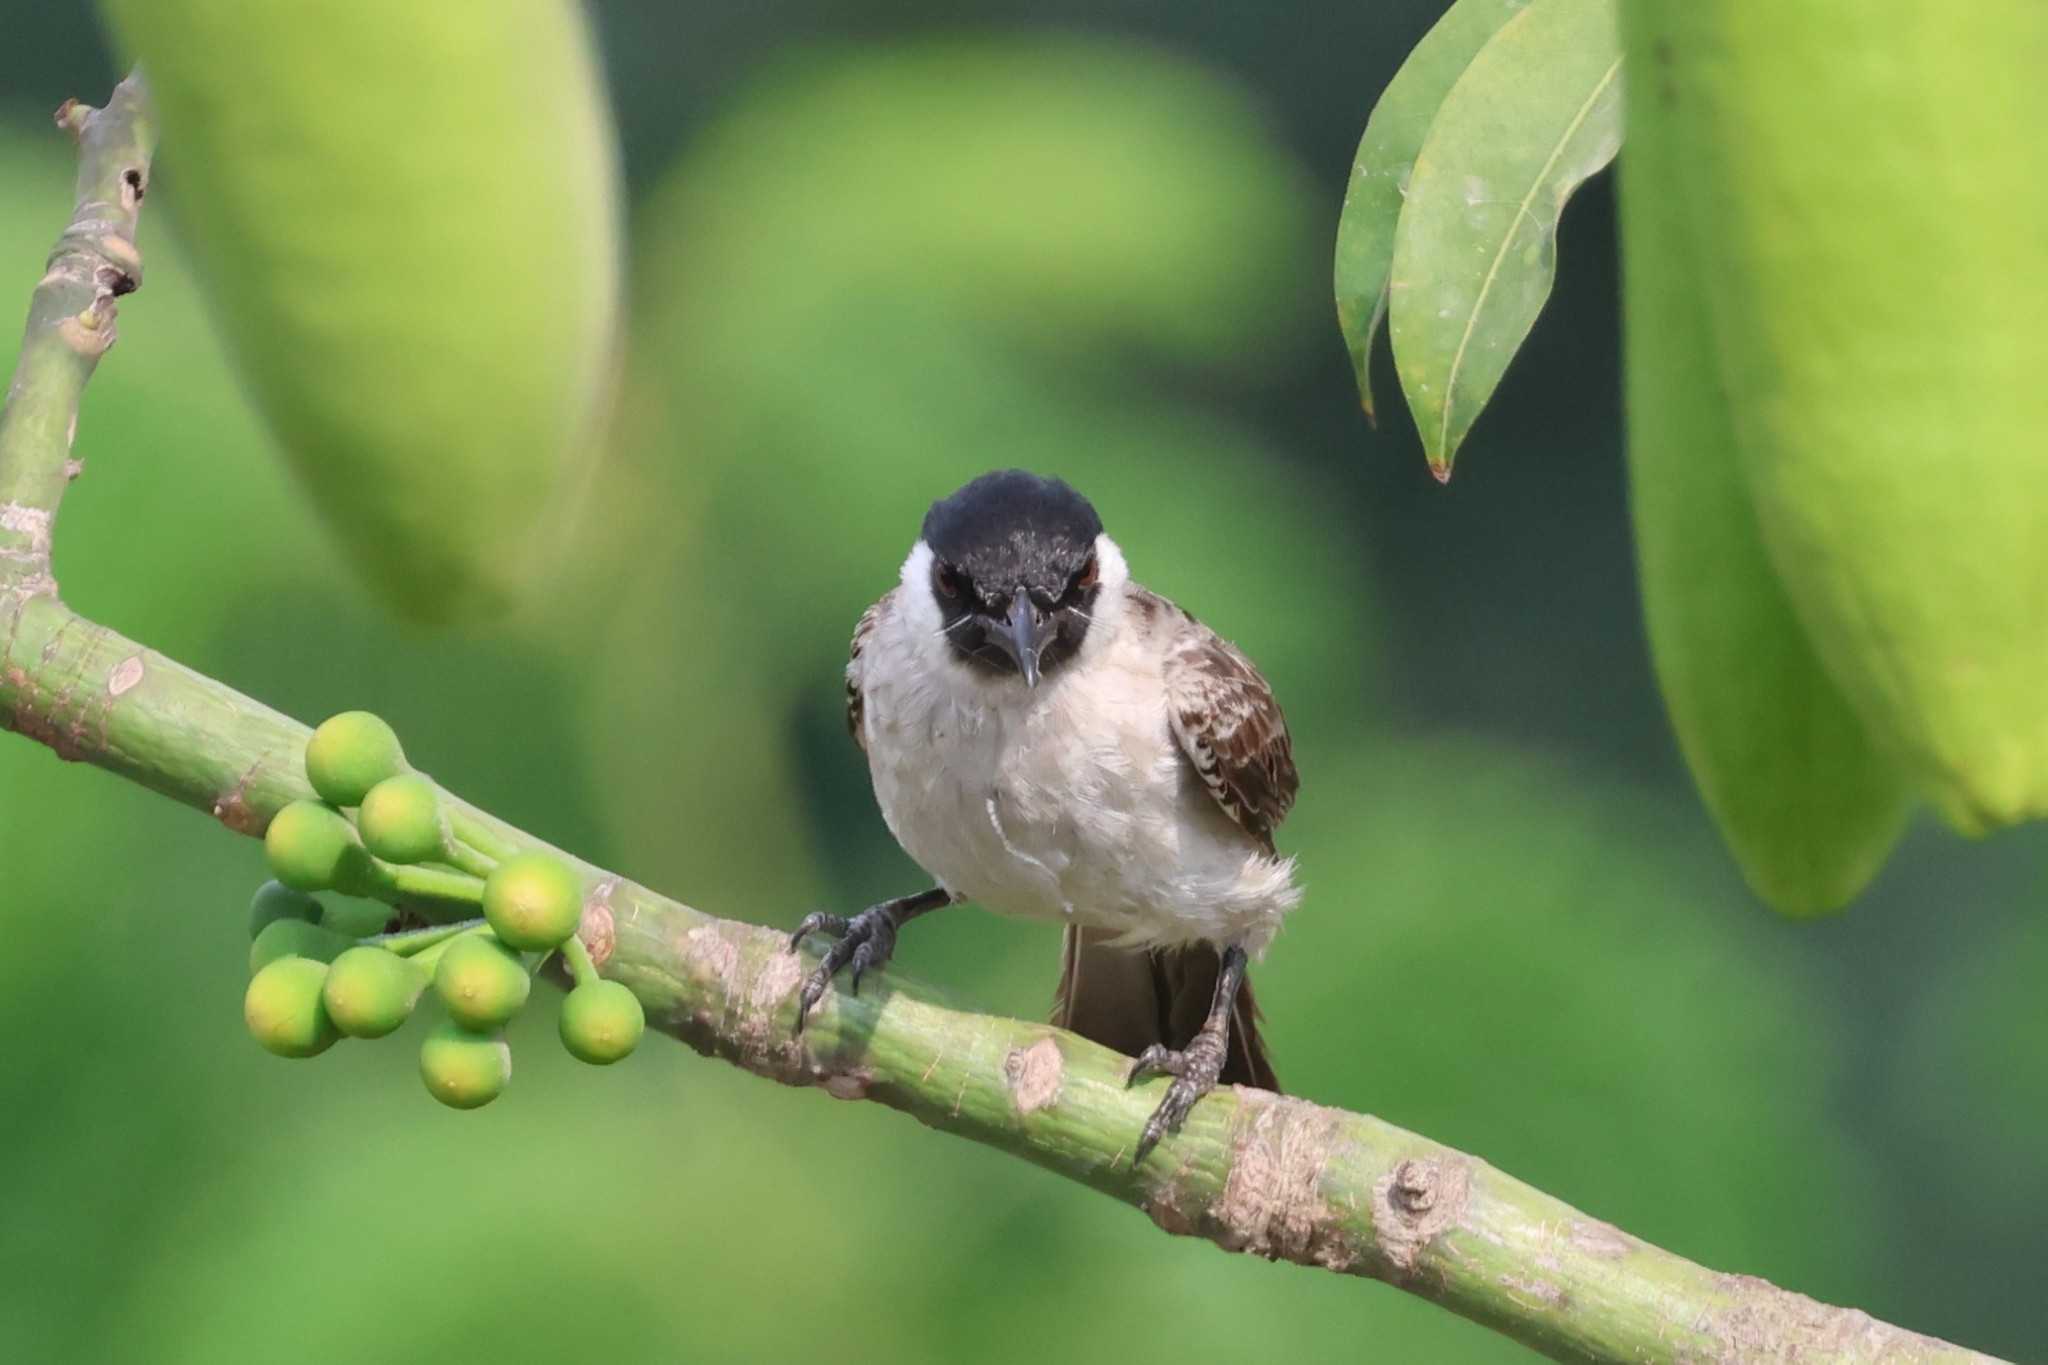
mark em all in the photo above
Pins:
pixel 1379 174
pixel 404 217
pixel 1881 280
pixel 1800 792
pixel 1535 114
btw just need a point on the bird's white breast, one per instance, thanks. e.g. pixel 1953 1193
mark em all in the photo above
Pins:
pixel 1069 801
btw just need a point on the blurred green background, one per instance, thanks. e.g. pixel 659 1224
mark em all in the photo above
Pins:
pixel 877 249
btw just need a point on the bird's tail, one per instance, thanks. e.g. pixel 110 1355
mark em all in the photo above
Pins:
pixel 1130 998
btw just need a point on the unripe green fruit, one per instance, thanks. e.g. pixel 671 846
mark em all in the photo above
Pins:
pixel 601 1022
pixel 464 1070
pixel 312 848
pixel 481 982
pixel 275 901
pixel 351 753
pixel 401 819
pixel 533 901
pixel 370 991
pixel 284 1011
pixel 295 938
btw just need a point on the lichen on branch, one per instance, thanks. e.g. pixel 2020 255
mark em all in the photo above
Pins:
pixel 1276 1177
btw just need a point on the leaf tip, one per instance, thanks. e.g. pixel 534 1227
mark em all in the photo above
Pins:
pixel 1440 470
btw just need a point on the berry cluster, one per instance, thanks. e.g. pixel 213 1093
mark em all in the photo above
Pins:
pixel 312 983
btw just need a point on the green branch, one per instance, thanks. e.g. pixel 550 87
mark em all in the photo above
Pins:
pixel 1279 1178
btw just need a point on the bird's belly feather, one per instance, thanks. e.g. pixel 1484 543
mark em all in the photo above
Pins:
pixel 1060 810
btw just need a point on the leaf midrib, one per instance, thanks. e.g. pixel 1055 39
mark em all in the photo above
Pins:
pixel 1507 239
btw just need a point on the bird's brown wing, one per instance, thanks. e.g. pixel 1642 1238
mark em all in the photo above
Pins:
pixel 1231 729
pixel 861 632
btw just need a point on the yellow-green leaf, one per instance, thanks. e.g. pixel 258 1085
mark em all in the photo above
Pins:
pixel 1880 304
pixel 1801 794
pixel 1386 154
pixel 1535 114
pixel 404 217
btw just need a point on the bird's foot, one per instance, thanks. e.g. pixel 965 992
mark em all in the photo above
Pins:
pixel 865 940
pixel 1194 1073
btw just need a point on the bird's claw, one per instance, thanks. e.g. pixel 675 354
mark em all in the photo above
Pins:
pixel 1194 1073
pixel 865 940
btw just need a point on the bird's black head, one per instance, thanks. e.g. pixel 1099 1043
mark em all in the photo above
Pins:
pixel 1014 571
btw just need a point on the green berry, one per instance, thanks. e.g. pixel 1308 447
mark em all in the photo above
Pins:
pixel 533 901
pixel 284 1011
pixel 313 848
pixel 401 819
pixel 349 754
pixel 295 938
pixel 354 918
pixel 274 901
pixel 370 991
pixel 601 1022
pixel 464 1070
pixel 481 982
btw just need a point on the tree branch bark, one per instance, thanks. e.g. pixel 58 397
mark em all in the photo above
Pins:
pixel 1277 1177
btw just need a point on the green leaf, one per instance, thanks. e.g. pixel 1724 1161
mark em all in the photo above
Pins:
pixel 405 220
pixel 1537 112
pixel 1802 795
pixel 1879 285
pixel 1379 175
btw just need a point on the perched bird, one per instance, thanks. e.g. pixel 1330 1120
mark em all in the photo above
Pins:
pixel 1049 739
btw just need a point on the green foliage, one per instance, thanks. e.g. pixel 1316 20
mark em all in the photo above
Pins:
pixel 1386 157
pixel 1877 281
pixel 405 215
pixel 1796 784
pixel 1463 249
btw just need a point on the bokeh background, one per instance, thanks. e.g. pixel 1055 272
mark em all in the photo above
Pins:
pixel 876 249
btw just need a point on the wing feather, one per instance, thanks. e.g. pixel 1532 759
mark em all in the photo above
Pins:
pixel 1230 727
pixel 861 632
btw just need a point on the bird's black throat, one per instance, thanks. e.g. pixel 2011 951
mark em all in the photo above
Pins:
pixel 1011 536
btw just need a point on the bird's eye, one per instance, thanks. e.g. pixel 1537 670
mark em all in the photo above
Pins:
pixel 946 580
pixel 1085 579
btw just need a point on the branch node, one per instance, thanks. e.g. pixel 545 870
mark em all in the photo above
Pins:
pixel 597 929
pixel 1415 1203
pixel 1033 1075
pixel 72 116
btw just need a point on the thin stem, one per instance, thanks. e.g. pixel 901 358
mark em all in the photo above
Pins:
pixel 581 968
pixel 407 942
pixel 392 881
pixel 473 831
pixel 464 857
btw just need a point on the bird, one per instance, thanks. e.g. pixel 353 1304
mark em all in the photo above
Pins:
pixel 1049 739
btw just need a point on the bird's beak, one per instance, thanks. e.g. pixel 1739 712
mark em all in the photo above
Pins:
pixel 1023 635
